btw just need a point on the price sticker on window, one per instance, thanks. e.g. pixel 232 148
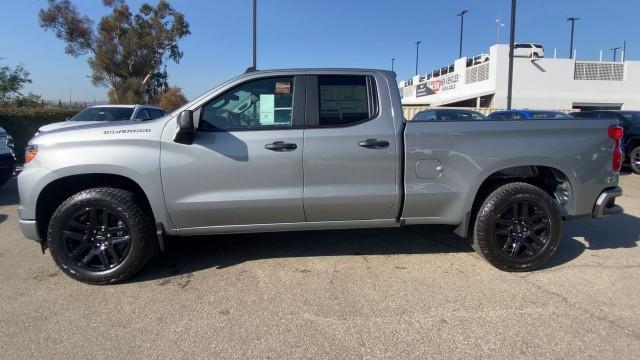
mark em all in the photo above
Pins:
pixel 283 87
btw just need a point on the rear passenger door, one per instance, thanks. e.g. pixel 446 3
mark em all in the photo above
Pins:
pixel 350 156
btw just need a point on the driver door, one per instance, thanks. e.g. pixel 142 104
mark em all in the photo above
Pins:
pixel 245 165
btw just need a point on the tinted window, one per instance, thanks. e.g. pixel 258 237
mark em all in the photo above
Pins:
pixel 142 114
pixel 549 115
pixel 155 113
pixel 343 100
pixel 458 115
pixel 256 104
pixel 104 114
pixel 425 115
pixel 500 116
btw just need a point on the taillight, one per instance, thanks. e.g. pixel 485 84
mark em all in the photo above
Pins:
pixel 616 133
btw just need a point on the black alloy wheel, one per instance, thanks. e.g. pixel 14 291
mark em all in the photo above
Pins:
pixel 102 235
pixel 96 239
pixel 522 230
pixel 517 227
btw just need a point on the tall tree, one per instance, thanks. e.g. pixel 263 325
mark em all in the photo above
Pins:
pixel 171 99
pixel 125 51
pixel 12 80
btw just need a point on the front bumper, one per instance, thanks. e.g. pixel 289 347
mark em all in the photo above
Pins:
pixel 606 203
pixel 29 229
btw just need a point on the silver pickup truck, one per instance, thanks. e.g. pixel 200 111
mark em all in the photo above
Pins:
pixel 310 149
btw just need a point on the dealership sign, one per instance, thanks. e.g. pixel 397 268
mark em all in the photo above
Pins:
pixel 445 83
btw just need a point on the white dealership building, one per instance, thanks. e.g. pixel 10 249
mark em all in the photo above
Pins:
pixel 538 83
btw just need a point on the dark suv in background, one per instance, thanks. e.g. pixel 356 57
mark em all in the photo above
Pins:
pixel 7 157
pixel 630 122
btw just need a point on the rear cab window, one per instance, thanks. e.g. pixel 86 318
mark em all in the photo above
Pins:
pixel 346 99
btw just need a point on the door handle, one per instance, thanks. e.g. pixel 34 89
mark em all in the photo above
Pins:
pixel 281 146
pixel 374 144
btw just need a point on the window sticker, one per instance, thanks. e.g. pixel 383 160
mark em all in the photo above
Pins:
pixel 267 109
pixel 283 87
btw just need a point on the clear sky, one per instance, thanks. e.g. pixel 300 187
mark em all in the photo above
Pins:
pixel 322 33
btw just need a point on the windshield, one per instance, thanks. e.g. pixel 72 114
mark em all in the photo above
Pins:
pixel 104 114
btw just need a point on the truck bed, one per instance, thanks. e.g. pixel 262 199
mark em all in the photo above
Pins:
pixel 446 162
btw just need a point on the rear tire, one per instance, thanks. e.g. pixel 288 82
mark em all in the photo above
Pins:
pixel 517 228
pixel 634 160
pixel 101 236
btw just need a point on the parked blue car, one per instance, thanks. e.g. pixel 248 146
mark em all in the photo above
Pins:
pixel 528 114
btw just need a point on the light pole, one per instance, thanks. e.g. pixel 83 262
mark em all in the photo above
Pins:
pixel 393 60
pixel 615 50
pixel 417 53
pixel 573 23
pixel 512 35
pixel 461 14
pixel 499 25
pixel 255 8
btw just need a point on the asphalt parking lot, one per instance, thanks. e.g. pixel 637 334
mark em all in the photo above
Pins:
pixel 392 293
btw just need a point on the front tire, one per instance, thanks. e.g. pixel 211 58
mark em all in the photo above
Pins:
pixel 634 160
pixel 517 228
pixel 101 236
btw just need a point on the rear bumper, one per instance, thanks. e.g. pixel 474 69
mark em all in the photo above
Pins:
pixel 29 229
pixel 606 203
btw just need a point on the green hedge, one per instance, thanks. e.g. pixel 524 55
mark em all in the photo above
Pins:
pixel 22 123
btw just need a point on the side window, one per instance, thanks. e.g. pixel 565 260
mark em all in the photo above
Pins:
pixel 344 100
pixel 516 116
pixel 258 104
pixel 155 113
pixel 142 114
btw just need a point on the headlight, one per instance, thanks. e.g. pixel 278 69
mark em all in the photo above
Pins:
pixel 30 153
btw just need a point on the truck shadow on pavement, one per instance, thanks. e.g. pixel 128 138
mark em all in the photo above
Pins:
pixel 191 254
pixel 616 232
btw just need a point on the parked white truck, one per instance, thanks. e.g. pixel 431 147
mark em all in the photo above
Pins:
pixel 310 149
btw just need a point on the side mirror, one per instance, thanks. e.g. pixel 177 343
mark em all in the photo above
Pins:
pixel 186 130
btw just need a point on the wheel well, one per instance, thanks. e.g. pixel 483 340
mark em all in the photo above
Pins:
pixel 61 189
pixel 553 181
